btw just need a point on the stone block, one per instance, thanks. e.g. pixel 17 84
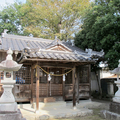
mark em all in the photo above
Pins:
pixel 108 115
pixel 59 116
pixel 113 117
pixel 115 107
pixel 11 116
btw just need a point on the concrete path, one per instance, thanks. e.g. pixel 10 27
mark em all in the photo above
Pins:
pixel 59 110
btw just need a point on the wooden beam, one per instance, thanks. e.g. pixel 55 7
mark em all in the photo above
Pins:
pixel 53 65
pixel 33 66
pixel 74 93
pixel 55 60
pixel 32 73
pixel 37 89
pixel 27 63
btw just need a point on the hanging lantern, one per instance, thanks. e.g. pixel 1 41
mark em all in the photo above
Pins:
pixel 49 77
pixel 63 77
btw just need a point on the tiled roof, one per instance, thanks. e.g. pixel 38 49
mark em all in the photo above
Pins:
pixel 44 54
pixel 40 48
pixel 16 42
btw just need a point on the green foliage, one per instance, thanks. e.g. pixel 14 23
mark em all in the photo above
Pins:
pixel 9 19
pixel 100 30
pixel 45 18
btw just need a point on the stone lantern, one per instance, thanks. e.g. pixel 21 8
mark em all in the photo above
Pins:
pixel 7 100
pixel 116 71
pixel 114 109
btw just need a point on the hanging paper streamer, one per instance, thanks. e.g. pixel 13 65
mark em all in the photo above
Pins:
pixel 63 77
pixel 49 77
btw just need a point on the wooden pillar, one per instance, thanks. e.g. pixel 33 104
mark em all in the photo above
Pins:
pixel 32 71
pixel 0 83
pixel 37 89
pixel 74 93
pixel 89 76
pixel 77 83
pixel 0 77
pixel 63 90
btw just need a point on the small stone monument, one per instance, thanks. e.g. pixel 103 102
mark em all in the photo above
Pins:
pixel 8 106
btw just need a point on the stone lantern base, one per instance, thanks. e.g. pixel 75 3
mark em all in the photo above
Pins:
pixel 8 107
pixel 11 116
pixel 115 107
pixel 113 113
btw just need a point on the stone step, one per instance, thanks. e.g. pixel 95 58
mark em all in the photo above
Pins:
pixel 41 99
pixel 105 114
pixel 11 116
pixel 49 99
pixel 50 104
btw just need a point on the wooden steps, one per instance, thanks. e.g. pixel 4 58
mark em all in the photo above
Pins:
pixel 49 99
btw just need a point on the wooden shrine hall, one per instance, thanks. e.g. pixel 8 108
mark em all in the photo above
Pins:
pixel 52 70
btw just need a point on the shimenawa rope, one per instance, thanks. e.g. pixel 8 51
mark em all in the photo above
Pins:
pixel 50 73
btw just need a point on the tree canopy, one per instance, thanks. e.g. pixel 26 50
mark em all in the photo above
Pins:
pixel 9 19
pixel 100 30
pixel 48 18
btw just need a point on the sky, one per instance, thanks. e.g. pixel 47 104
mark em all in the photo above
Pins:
pixel 4 3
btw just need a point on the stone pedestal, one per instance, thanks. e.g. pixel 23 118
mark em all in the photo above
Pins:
pixel 117 94
pixel 7 100
pixel 113 113
pixel 12 116
pixel 114 110
pixel 7 107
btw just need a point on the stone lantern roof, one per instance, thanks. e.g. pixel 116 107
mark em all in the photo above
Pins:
pixel 116 70
pixel 9 64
